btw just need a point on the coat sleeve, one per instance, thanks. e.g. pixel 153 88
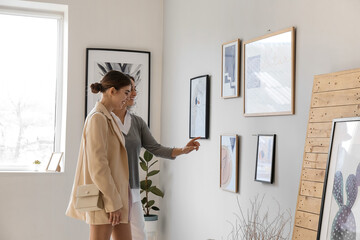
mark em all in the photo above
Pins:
pixel 150 144
pixel 97 161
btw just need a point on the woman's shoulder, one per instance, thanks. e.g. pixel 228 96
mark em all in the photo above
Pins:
pixel 96 117
pixel 137 119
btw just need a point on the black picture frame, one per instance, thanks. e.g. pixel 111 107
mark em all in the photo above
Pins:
pixel 199 111
pixel 132 62
pixel 265 158
pixel 338 214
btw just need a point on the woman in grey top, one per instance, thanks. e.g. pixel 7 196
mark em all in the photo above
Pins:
pixel 137 135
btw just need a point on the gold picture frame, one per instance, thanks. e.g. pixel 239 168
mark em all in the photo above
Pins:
pixel 269 74
pixel 230 69
pixel 54 162
pixel 229 162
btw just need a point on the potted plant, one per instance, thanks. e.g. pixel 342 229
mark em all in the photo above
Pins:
pixel 36 165
pixel 147 186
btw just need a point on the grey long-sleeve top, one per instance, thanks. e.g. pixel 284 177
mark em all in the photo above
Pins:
pixel 139 136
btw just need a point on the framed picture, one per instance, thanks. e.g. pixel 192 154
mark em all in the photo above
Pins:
pixel 269 74
pixel 134 63
pixel 54 162
pixel 229 162
pixel 265 155
pixel 230 69
pixel 339 214
pixel 199 107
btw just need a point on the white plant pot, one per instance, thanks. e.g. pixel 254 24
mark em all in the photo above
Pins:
pixel 151 226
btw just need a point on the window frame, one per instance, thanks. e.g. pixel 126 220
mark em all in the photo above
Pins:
pixel 58 12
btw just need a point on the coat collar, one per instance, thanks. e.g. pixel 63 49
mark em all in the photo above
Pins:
pixel 99 107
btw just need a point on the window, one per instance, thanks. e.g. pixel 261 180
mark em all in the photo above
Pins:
pixel 32 75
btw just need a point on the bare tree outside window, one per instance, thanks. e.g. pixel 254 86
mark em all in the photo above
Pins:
pixel 28 75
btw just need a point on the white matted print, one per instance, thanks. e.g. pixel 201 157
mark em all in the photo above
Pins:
pixel 265 158
pixel 134 63
pixel 199 107
pixel 229 162
pixel 269 74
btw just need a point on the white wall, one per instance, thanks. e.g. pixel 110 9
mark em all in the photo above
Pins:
pixel 194 208
pixel 32 205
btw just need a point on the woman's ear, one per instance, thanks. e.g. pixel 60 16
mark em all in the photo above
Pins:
pixel 112 91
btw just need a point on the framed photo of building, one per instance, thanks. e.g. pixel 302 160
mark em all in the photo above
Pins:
pixel 265 157
pixel 229 155
pixel 134 63
pixel 269 74
pixel 230 69
pixel 199 107
pixel 339 214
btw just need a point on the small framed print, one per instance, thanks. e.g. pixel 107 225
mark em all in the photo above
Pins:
pixel 54 162
pixel 199 107
pixel 230 69
pixel 229 162
pixel 265 155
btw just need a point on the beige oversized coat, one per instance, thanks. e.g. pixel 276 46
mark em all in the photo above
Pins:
pixel 102 161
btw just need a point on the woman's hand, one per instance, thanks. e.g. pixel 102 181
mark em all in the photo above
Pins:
pixel 115 217
pixel 190 146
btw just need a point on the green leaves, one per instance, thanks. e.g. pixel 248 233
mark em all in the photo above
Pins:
pixel 156 191
pixel 143 166
pixel 146 185
pixel 148 156
pixel 152 173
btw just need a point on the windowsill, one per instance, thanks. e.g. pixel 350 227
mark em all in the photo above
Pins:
pixel 25 169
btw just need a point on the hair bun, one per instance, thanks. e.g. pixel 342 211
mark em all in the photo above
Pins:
pixel 96 87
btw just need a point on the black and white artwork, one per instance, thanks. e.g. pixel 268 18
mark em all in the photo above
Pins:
pixel 199 107
pixel 133 63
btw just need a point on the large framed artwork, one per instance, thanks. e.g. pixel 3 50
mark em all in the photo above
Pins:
pixel 134 63
pixel 269 74
pixel 229 162
pixel 340 208
pixel 230 69
pixel 265 157
pixel 199 107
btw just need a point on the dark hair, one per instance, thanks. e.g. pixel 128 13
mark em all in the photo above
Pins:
pixel 111 79
pixel 131 77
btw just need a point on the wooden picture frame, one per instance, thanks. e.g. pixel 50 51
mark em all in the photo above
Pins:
pixel 199 107
pixel 230 69
pixel 54 162
pixel 269 74
pixel 229 162
pixel 134 63
pixel 265 158
pixel 339 218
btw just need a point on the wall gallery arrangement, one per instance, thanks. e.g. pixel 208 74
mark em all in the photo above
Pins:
pixel 269 81
pixel 339 218
pixel 134 63
pixel 230 69
pixel 229 162
pixel 199 107
pixel 265 157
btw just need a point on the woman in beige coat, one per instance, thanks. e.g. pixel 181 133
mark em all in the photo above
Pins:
pixel 103 161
